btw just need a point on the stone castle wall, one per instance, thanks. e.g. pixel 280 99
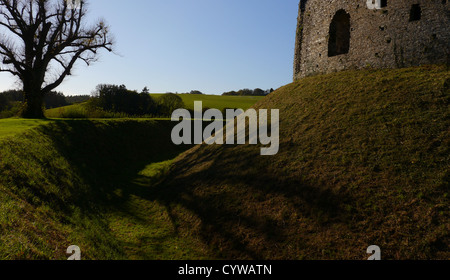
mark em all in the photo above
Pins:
pixel 381 34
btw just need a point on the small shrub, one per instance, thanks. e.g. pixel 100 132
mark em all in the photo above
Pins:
pixel 11 110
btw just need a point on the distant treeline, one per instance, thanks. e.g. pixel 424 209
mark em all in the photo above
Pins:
pixel 52 100
pixel 197 92
pixel 249 92
pixel 77 99
pixel 113 99
pixel 119 99
pixel 242 92
pixel 108 98
pixel 11 101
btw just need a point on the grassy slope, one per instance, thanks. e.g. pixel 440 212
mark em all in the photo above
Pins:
pixel 61 111
pixel 218 102
pixel 209 101
pixel 14 126
pixel 87 183
pixel 364 160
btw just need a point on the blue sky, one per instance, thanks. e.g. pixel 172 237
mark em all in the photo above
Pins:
pixel 181 45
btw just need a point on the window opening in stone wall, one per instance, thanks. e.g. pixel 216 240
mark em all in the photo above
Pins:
pixel 376 4
pixel 339 36
pixel 416 13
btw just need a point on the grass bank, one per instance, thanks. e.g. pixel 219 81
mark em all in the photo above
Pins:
pixel 217 101
pixel 87 183
pixel 209 101
pixel 364 160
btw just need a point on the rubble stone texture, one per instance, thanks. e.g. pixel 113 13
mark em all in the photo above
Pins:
pixel 335 35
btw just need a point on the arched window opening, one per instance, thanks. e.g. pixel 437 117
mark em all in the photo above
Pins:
pixel 339 35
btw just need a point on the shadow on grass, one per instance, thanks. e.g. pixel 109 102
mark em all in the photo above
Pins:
pixel 225 197
pixel 241 209
pixel 107 155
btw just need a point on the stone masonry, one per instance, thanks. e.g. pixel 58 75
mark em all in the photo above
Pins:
pixel 334 35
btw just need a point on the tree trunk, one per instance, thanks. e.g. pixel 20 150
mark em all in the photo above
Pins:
pixel 33 104
pixel 33 95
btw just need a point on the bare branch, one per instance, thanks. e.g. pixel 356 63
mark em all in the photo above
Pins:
pixel 47 33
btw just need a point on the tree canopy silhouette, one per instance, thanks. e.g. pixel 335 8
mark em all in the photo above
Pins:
pixel 40 42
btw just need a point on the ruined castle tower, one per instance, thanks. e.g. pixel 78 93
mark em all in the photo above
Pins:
pixel 334 35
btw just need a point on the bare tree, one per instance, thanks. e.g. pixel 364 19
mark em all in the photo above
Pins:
pixel 40 42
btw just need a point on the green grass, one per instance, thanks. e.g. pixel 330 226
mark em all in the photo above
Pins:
pixel 80 111
pixel 75 110
pixel 217 101
pixel 364 159
pixel 89 183
pixel 13 126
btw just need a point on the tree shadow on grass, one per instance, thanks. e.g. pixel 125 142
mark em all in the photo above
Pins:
pixel 239 208
pixel 226 197
pixel 104 157
pixel 107 154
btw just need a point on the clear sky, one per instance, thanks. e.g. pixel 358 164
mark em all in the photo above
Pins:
pixel 181 45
